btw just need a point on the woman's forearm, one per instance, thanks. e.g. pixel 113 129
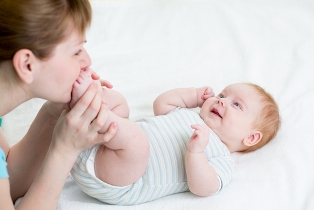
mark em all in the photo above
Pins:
pixel 26 157
pixel 48 184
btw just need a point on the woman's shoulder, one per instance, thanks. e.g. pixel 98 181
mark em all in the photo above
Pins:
pixel 4 145
pixel 3 165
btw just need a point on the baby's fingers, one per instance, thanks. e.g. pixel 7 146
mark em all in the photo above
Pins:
pixel 196 126
pixel 201 128
pixel 205 97
pixel 209 92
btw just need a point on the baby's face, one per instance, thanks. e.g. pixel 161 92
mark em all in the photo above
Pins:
pixel 231 114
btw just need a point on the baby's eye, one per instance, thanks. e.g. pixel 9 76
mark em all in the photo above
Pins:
pixel 237 105
pixel 220 96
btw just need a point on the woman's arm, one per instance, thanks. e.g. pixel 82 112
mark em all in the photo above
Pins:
pixel 201 176
pixel 75 131
pixel 4 145
pixel 181 97
pixel 5 198
pixel 26 157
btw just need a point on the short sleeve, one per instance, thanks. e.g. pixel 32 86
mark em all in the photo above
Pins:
pixel 224 168
pixel 3 165
pixel 220 159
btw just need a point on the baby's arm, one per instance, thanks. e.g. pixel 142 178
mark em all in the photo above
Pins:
pixel 181 97
pixel 201 176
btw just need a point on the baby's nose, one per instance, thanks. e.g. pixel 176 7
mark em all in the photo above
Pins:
pixel 221 102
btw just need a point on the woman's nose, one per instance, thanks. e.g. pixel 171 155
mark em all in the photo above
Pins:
pixel 85 60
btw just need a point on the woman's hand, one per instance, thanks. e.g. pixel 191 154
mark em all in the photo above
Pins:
pixel 77 129
pixel 68 132
pixel 105 83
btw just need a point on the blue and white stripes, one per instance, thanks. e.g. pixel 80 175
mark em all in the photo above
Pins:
pixel 165 173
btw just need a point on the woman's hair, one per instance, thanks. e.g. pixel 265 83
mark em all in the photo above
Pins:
pixel 268 121
pixel 39 25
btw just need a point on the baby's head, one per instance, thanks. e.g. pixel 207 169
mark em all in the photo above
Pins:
pixel 244 116
pixel 268 121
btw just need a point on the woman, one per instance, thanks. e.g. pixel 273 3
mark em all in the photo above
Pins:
pixel 41 55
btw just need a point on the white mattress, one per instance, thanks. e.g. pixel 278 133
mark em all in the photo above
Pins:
pixel 147 47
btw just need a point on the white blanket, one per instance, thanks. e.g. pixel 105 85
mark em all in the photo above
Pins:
pixel 147 47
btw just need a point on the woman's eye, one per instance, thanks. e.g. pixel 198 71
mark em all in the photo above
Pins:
pixel 78 53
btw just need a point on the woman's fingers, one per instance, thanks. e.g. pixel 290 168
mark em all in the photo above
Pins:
pixel 94 75
pixel 106 83
pixel 110 133
pixel 100 121
pixel 78 128
pixel 89 104
pixel 102 116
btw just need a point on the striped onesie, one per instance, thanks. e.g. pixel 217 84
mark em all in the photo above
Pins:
pixel 165 174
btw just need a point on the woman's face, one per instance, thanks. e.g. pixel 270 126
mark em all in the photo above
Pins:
pixel 59 72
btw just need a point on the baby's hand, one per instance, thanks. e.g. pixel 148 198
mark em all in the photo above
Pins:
pixel 199 139
pixel 203 94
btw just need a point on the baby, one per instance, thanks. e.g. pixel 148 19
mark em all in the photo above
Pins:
pixel 179 149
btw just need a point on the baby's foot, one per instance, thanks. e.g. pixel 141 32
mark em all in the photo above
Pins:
pixel 80 85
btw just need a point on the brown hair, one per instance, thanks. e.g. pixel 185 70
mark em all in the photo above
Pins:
pixel 39 25
pixel 268 121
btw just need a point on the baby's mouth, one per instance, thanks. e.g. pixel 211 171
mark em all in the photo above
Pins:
pixel 215 111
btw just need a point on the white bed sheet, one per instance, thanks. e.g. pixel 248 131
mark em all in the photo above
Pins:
pixel 147 47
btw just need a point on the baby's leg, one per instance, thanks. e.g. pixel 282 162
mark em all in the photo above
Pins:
pixel 80 86
pixel 115 100
pixel 123 160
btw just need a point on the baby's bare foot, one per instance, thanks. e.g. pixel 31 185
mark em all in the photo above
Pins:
pixel 80 85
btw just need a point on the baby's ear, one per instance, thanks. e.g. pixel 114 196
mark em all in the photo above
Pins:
pixel 253 139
